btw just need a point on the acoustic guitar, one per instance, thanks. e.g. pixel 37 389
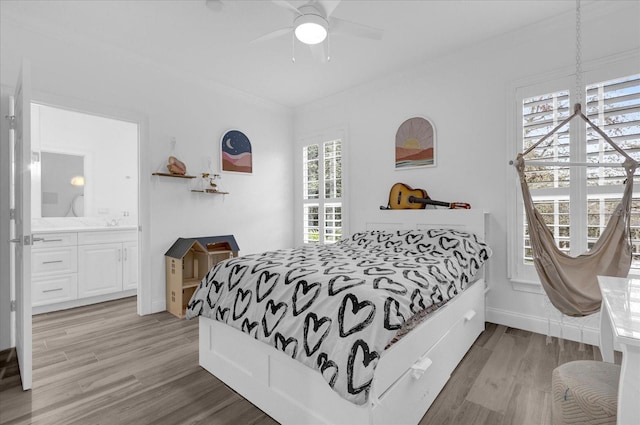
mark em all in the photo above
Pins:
pixel 403 197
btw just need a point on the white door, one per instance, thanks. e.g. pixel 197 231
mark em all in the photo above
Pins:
pixel 21 224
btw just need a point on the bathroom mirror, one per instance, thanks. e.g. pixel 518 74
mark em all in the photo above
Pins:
pixel 62 184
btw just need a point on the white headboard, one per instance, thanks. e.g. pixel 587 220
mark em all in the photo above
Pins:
pixel 460 219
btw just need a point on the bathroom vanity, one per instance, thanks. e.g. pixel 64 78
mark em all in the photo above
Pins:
pixel 74 264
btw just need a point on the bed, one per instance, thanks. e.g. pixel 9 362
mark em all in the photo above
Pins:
pixel 349 359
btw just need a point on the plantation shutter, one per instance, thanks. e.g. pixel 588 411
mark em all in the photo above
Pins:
pixel 614 106
pixel 322 192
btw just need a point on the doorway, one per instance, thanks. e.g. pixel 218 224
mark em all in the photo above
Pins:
pixel 85 182
pixel 20 161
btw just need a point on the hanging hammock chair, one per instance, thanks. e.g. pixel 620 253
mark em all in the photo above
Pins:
pixel 571 282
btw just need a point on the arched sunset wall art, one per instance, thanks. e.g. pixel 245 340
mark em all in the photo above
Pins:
pixel 236 152
pixel 415 143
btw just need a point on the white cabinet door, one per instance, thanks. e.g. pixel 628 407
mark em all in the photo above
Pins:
pixel 99 269
pixel 130 266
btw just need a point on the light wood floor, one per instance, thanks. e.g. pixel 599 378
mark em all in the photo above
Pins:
pixel 104 364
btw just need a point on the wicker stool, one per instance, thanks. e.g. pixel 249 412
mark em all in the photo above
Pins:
pixel 585 392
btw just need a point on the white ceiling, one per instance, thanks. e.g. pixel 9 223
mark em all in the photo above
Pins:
pixel 215 45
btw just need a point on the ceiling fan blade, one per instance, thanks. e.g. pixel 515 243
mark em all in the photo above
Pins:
pixel 285 4
pixel 271 35
pixel 329 6
pixel 340 26
pixel 319 52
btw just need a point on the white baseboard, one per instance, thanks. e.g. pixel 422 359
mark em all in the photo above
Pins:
pixel 567 328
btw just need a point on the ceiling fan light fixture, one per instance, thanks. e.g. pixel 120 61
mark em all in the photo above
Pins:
pixel 311 28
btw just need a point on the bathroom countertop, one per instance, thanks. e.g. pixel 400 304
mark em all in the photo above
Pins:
pixel 79 224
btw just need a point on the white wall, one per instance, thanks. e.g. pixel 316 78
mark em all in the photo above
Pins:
pixel 258 210
pixel 467 96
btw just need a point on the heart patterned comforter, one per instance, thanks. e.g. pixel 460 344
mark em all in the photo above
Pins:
pixel 336 307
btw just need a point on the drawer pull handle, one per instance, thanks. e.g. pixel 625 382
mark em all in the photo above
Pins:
pixel 52 262
pixel 420 367
pixel 469 315
pixel 52 290
pixel 51 240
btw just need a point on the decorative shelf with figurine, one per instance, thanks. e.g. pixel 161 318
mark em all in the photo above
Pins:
pixel 212 192
pixel 173 167
pixel 180 176
pixel 206 184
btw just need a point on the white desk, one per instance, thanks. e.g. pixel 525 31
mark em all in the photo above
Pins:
pixel 620 324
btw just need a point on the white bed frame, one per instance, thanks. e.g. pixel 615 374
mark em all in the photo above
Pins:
pixel 408 377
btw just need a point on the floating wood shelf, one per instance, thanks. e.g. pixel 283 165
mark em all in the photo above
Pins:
pixel 174 175
pixel 210 192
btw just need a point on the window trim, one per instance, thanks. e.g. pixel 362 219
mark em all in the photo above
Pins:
pixel 524 277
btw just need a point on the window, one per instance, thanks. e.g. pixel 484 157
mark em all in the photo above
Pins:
pixel 577 202
pixel 322 192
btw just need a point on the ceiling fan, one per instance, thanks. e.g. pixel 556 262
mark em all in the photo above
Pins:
pixel 312 24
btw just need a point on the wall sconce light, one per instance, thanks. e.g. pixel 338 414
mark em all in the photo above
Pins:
pixel 77 181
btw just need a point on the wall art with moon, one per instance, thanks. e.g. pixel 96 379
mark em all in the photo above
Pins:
pixel 236 152
pixel 415 144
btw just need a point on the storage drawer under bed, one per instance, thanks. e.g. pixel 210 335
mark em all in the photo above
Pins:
pixel 424 380
pixel 461 324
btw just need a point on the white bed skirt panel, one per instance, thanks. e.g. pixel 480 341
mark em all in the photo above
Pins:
pixel 408 377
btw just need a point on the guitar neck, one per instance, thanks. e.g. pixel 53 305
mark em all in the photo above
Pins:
pixel 429 202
